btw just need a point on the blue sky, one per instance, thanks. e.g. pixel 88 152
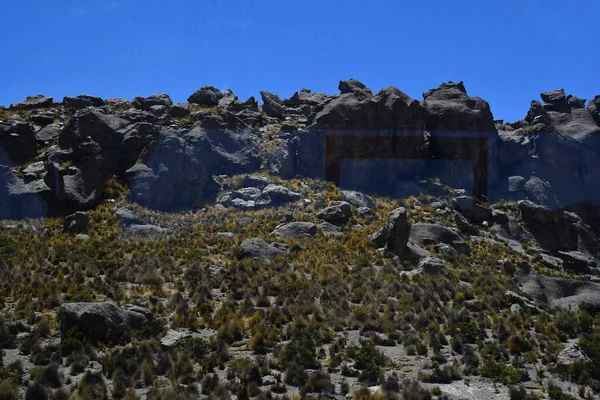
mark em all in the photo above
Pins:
pixel 505 51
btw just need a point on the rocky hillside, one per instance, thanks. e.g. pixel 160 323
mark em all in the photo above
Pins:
pixel 166 251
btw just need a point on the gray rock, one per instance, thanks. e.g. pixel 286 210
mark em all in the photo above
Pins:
pixel 146 229
pixel 445 251
pixel 47 133
pixel 540 192
pixel 126 216
pixel 571 354
pixel 173 338
pixel 337 214
pixel 432 266
pixel 206 96
pixel 244 221
pixel 18 143
pixel 102 322
pixel 33 102
pixel 379 237
pixel 366 213
pixel 272 105
pixel 432 234
pixel 257 248
pixel 77 223
pixel 464 225
pixel 330 229
pixel 257 181
pixel 293 230
pixel 471 210
pixel 280 194
pixel 499 217
pixel 558 292
pixel 398 230
pixel 180 110
pixel 357 199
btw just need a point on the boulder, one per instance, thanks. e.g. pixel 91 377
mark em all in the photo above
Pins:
pixel 76 223
pixel 47 134
pixel 366 213
pixel 558 292
pixel 337 214
pixel 433 234
pixel 357 199
pixel 329 229
pixel 100 322
pixel 257 181
pixel 398 231
pixel 33 102
pixel 432 266
pixel 294 230
pixel 379 237
pixel 257 248
pixel 280 194
pixel 272 105
pixel 540 192
pixel 180 110
pixel 147 103
pixel 206 96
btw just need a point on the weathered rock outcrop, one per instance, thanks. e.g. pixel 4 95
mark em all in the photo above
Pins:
pixel 102 322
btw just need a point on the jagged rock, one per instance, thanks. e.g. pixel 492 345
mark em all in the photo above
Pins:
pixel 173 338
pixel 357 199
pixel 558 292
pixel 540 192
pixel 413 253
pixel 180 110
pixel 446 251
pixel 147 103
pixel 499 217
pixel 337 214
pixel 280 194
pixel 366 213
pixel 229 99
pixel 257 181
pixel 432 234
pixel 41 120
pixel 571 354
pixel 82 101
pixel 257 248
pixel 379 237
pixel 33 102
pixel 398 231
pixel 330 229
pixel 100 321
pixel 281 161
pixel 471 209
pixel 272 105
pixel 594 109
pixel 432 266
pixel 206 96
pixel 78 222
pixel 464 225
pixel 17 143
pixel 47 134
pixel 578 262
pixel 126 216
pixel 294 230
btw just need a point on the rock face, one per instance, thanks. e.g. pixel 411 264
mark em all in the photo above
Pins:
pixel 558 292
pixel 398 231
pixel 177 173
pixel 101 322
pixel 17 143
pixel 33 102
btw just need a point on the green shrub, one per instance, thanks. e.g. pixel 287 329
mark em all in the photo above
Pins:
pixel 8 390
pixel 499 371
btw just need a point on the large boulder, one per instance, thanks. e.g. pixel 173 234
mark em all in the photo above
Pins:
pixel 82 101
pixel 33 102
pixel 206 96
pixel 257 248
pixel 77 223
pixel 337 214
pixel 295 230
pixel 100 322
pixel 433 234
pixel 398 231
pixel 272 105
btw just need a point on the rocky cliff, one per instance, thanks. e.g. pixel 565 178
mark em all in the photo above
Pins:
pixel 57 157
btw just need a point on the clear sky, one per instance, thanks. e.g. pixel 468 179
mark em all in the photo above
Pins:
pixel 506 51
